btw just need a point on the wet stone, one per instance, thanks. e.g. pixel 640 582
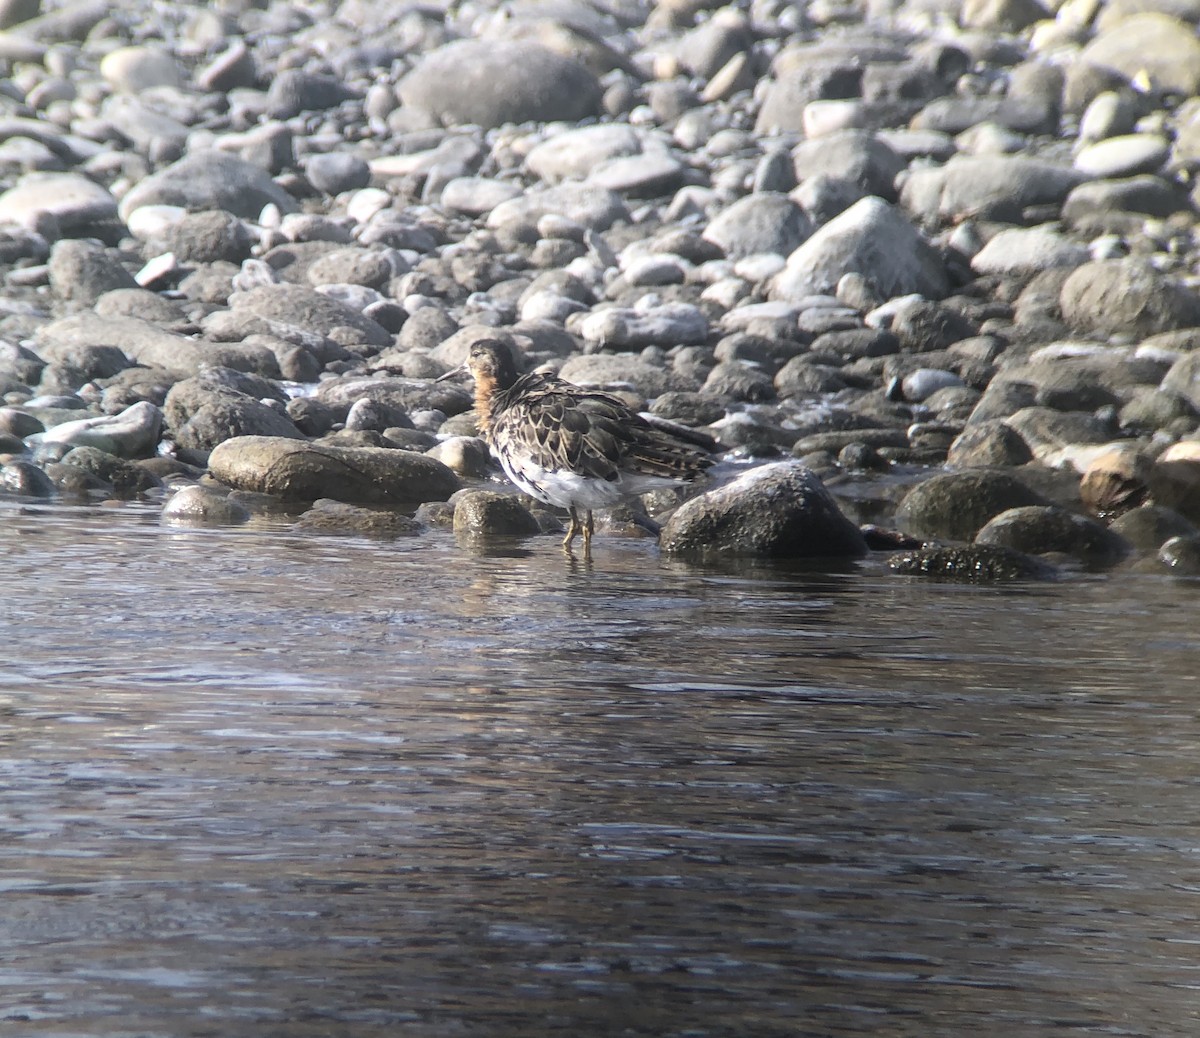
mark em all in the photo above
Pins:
pixel 1041 529
pixel 972 563
pixel 490 513
pixel 295 470
pixel 203 506
pixel 337 518
pixel 777 510
pixel 956 505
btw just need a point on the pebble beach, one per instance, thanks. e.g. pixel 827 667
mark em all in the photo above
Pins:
pixel 932 266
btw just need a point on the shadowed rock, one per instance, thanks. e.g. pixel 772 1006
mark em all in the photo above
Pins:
pixel 956 505
pixel 972 563
pixel 781 510
pixel 337 518
pixel 203 506
pixel 483 512
pixel 1038 529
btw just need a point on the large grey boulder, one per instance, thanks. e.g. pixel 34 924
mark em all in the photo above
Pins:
pixel 312 310
pixel 871 238
pixel 210 180
pixel 493 82
pixel 301 471
pixel 1038 529
pixel 994 187
pixel 781 510
pixel 204 412
pixel 150 345
pixel 956 505
pixel 765 221
pixel 1127 295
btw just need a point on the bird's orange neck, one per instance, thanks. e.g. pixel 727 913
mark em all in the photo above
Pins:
pixel 485 386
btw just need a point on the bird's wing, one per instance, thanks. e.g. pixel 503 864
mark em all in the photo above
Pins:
pixel 561 426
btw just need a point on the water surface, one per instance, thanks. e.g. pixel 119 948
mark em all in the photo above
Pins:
pixel 255 783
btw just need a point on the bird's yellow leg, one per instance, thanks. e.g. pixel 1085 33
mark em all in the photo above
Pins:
pixel 588 525
pixel 572 531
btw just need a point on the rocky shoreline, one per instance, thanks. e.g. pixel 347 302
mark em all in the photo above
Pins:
pixel 937 259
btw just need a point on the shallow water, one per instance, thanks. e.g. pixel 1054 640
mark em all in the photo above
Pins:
pixel 253 783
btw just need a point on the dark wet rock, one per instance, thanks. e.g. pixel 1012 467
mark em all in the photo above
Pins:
pixel 1149 527
pixel 489 512
pixel 336 172
pixel 210 180
pixel 1150 409
pixel 26 478
pixel 294 91
pixel 988 444
pixel 74 481
pixel 203 506
pixel 1048 431
pixel 207 237
pixel 131 434
pixel 801 376
pixel 202 413
pixel 854 343
pixel 1174 479
pixel 82 271
pixel 870 238
pixel 994 187
pixel 297 304
pixel 736 380
pixel 761 222
pixel 338 518
pixel 971 563
pixel 126 478
pixel 778 510
pixel 74 362
pixel 1182 555
pixel 1127 295
pixel 295 470
pixel 490 82
pixel 956 505
pixel 837 440
pixel 1039 529
pixel 18 423
pixel 693 409
pixel 923 326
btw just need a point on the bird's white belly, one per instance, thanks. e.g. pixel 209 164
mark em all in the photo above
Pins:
pixel 565 489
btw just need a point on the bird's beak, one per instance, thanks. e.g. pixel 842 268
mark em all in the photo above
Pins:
pixel 458 372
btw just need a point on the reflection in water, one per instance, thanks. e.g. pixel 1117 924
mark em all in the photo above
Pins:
pixel 263 784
